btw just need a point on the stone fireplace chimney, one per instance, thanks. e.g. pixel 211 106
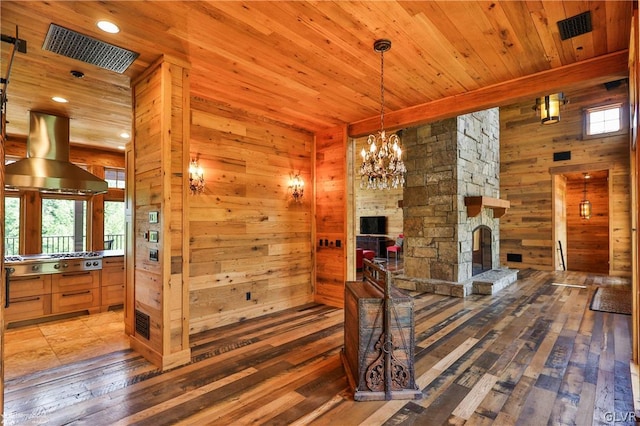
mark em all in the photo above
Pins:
pixel 446 162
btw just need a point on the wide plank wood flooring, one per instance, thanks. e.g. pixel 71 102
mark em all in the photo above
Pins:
pixel 532 354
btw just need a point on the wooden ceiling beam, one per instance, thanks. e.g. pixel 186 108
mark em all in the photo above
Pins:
pixel 580 74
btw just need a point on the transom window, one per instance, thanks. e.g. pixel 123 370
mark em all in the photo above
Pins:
pixel 114 178
pixel 603 119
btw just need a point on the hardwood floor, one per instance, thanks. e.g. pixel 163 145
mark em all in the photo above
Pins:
pixel 532 354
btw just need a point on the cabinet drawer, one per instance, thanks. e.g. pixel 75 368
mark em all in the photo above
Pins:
pixel 112 272
pixel 22 308
pixel 75 300
pixel 29 286
pixel 112 295
pixel 75 281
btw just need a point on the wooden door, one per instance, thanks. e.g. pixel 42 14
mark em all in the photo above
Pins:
pixel 588 239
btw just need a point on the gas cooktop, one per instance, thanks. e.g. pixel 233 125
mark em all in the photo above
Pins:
pixel 53 256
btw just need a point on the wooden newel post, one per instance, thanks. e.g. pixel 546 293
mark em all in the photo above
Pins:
pixel 379 341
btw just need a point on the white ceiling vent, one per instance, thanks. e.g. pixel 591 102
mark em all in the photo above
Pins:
pixel 78 46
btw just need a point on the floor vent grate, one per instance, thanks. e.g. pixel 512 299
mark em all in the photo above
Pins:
pixel 78 46
pixel 575 26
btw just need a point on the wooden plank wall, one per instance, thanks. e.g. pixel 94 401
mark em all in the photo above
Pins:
pixel 560 216
pixel 331 220
pixel 371 202
pixel 587 247
pixel 527 149
pixel 147 147
pixel 161 99
pixel 3 288
pixel 250 243
pixel 634 115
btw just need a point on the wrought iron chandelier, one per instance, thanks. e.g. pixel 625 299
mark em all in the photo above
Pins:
pixel 382 166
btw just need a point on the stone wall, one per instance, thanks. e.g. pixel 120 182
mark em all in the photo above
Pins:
pixel 447 161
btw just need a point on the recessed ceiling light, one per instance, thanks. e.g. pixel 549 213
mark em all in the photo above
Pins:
pixel 59 99
pixel 121 148
pixel 125 135
pixel 108 27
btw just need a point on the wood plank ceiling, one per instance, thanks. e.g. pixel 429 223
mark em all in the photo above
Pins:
pixel 310 65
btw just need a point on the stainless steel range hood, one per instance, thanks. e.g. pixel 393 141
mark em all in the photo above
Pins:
pixel 47 167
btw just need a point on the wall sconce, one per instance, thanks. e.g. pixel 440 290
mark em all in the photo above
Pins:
pixel 296 187
pixel 196 177
pixel 549 107
pixel 585 205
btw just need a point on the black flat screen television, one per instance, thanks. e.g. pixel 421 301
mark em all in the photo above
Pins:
pixel 373 225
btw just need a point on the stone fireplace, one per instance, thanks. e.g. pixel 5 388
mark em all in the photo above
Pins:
pixel 451 164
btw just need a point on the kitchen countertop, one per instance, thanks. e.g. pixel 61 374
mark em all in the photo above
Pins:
pixel 112 253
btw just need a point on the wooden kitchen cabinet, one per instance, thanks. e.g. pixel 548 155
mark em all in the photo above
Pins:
pixel 112 282
pixel 74 291
pixel 29 297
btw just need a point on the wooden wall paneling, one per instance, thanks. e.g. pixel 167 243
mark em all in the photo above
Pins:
pixel 130 242
pixel 250 243
pixel 634 125
pixel 331 220
pixel 3 277
pixel 30 222
pixel 95 206
pixel 351 209
pixel 527 149
pixel 560 222
pixel 160 287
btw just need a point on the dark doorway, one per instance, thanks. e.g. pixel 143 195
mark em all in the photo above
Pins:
pixel 481 249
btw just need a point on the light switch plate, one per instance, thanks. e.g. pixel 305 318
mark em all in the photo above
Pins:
pixel 153 217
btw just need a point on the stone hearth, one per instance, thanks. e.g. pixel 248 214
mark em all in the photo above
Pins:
pixel 489 282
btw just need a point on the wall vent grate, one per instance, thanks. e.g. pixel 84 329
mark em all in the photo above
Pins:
pixel 514 257
pixel 562 156
pixel 575 26
pixel 143 324
pixel 87 49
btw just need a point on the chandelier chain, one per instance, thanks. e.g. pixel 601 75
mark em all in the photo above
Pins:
pixel 382 90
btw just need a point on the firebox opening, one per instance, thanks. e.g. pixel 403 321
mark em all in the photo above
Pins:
pixel 481 250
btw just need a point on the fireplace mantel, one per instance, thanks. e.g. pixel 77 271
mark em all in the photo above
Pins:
pixel 477 203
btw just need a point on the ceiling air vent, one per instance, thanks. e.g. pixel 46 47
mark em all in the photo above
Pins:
pixel 575 26
pixel 87 49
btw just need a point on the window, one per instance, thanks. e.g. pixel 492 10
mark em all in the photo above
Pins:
pixel 11 225
pixel 64 225
pixel 114 178
pixel 114 225
pixel 604 119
